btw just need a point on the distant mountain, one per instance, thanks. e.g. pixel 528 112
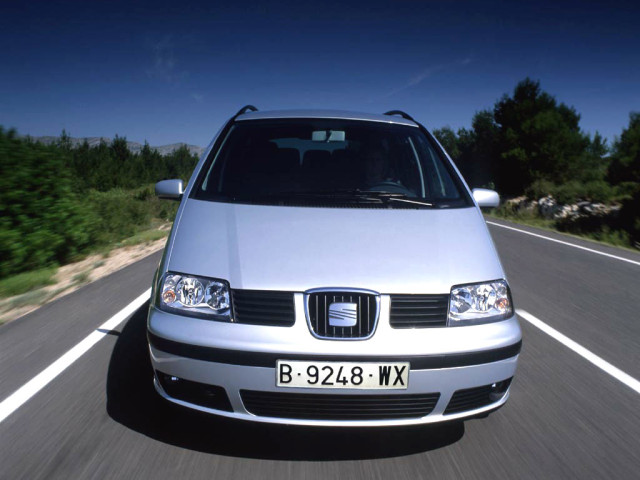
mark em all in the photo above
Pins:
pixel 135 147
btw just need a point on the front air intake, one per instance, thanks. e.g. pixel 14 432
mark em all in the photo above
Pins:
pixel 263 307
pixel 477 397
pixel 309 406
pixel 419 311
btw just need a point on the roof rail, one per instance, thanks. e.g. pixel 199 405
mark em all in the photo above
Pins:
pixel 245 109
pixel 401 113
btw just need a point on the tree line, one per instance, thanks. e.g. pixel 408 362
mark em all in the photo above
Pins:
pixel 58 201
pixel 531 144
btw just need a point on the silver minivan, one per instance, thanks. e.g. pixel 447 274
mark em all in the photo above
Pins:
pixel 331 268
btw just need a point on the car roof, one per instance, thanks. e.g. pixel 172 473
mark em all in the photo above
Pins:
pixel 341 114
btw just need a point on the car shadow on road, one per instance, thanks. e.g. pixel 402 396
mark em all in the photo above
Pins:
pixel 133 402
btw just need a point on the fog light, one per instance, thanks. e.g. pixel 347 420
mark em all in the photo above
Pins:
pixel 499 389
pixel 167 380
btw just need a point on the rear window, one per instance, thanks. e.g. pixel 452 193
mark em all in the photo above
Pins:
pixel 309 161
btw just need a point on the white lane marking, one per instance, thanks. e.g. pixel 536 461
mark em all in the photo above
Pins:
pixel 565 243
pixel 37 383
pixel 615 372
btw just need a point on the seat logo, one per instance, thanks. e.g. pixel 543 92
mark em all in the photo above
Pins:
pixel 343 314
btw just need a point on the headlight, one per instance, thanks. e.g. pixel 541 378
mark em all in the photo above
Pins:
pixel 194 296
pixel 480 303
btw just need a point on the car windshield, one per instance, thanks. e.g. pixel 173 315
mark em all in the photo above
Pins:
pixel 329 162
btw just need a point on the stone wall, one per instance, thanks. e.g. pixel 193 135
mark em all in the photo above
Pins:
pixel 547 207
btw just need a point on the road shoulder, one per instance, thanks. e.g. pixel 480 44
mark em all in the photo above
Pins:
pixel 564 237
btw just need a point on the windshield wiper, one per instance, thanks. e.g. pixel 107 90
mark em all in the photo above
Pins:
pixel 325 195
pixel 322 193
pixel 354 195
pixel 407 200
pixel 392 197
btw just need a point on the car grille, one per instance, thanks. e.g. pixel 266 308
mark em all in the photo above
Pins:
pixel 477 397
pixel 263 307
pixel 318 311
pixel 419 311
pixel 338 407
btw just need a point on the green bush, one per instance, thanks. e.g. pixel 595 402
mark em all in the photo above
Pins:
pixel 573 191
pixel 630 216
pixel 162 209
pixel 24 282
pixel 597 228
pixel 625 173
pixel 117 214
pixel 41 220
pixel 57 201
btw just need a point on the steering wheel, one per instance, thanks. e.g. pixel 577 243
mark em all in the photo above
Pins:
pixel 391 187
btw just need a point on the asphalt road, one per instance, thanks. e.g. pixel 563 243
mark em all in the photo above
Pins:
pixel 566 418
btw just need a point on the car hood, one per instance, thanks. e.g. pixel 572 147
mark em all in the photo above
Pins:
pixel 298 248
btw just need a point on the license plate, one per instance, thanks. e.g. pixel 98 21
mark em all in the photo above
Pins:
pixel 342 375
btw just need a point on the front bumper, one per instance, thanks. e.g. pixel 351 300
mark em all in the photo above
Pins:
pixel 451 363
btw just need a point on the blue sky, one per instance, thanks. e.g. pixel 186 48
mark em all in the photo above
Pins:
pixel 175 71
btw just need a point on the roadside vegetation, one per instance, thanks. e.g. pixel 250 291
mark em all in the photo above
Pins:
pixel 530 147
pixel 24 282
pixel 605 235
pixel 59 203
pixel 23 292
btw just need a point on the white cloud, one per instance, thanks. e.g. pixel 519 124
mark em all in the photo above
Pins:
pixel 425 74
pixel 164 62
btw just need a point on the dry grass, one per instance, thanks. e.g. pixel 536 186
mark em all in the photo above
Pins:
pixel 69 278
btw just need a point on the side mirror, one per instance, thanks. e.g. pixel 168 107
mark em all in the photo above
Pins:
pixel 486 198
pixel 170 189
